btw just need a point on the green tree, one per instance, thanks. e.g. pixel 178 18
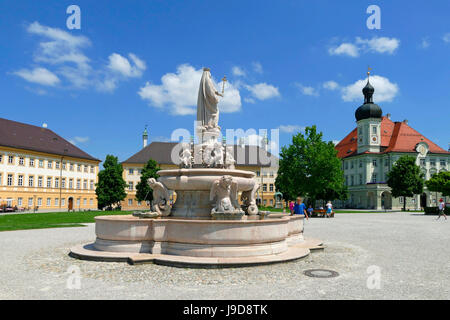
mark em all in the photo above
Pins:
pixel 440 182
pixel 143 191
pixel 405 179
pixel 110 188
pixel 310 167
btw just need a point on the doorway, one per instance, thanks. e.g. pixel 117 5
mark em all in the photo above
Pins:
pixel 70 204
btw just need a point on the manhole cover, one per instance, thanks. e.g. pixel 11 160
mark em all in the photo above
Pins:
pixel 321 273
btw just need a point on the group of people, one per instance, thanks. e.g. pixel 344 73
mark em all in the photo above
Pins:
pixel 300 208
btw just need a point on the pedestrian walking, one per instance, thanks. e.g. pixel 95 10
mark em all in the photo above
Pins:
pixel 441 209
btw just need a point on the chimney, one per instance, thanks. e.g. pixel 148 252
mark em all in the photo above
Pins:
pixel 145 137
pixel 388 116
pixel 405 121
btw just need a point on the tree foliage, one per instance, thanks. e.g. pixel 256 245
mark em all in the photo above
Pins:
pixel 440 182
pixel 143 191
pixel 405 178
pixel 310 167
pixel 110 189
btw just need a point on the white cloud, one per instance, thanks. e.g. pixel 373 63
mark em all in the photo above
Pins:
pixel 331 85
pixel 263 91
pixel 257 67
pixel 238 71
pixel 63 54
pixel 374 45
pixel 385 91
pixel 40 76
pixel 179 92
pixel 345 49
pixel 380 45
pixel 249 100
pixel 307 90
pixel 76 140
pixel 446 37
pixel 290 128
pixel 122 65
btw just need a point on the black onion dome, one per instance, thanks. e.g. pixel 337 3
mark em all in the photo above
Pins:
pixel 368 109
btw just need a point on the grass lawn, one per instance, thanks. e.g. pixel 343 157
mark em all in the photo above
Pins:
pixel 11 222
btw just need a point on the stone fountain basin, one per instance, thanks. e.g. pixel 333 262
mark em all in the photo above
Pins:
pixel 197 237
pixel 202 179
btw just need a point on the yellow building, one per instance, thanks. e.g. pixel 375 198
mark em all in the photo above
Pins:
pixel 41 170
pixel 247 158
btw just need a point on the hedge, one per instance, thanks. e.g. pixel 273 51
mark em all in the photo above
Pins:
pixel 435 210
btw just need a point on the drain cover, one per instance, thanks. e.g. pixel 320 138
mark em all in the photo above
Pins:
pixel 321 273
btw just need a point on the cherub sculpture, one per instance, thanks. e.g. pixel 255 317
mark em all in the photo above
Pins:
pixel 218 155
pixel 224 193
pixel 208 155
pixel 186 156
pixel 229 159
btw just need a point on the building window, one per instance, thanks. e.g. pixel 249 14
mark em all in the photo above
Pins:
pixel 360 179
pixel 40 182
pixel 31 162
pixel 63 202
pixel 443 163
pixel 21 161
pixel 386 162
pixel 9 181
pixel 433 162
pixel 1 158
pixel 63 182
pixel 78 184
pixel 91 185
pixel 84 201
pixel 346 165
pixel 57 165
pixel 19 202
pixel 30 202
pixel 70 183
pixel 130 186
pixel 130 202
pixel 78 202
pixel 20 181
pixel 92 169
pixel 271 187
pixel 346 180
pixel 91 202
pixel 50 164
pixel 352 180
pixel 130 172
pixel 56 202
pixel 31 181
pixel 352 165
pixel 41 163
pixel 64 168
pixel 271 202
pixel 85 168
pixel 264 187
pixel 374 178
pixel 56 182
pixel 360 163
pixel 85 184
pixel 49 202
pixel 79 168
pixel 71 167
pixel 374 130
pixel 265 202
pixel 10 159
pixel 1 181
pixel 39 202
pixel 258 174
pixel 374 163
pixel 49 182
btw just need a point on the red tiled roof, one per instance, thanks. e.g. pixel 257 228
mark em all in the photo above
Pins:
pixel 395 137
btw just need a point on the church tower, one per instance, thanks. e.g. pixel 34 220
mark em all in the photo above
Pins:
pixel 368 119
pixel 145 137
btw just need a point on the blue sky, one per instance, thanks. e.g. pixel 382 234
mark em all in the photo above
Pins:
pixel 290 64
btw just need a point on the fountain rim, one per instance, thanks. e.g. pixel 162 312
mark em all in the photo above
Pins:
pixel 206 172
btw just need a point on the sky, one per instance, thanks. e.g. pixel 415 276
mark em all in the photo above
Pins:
pixel 289 64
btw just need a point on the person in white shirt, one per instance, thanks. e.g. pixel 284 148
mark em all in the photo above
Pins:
pixel 329 209
pixel 441 209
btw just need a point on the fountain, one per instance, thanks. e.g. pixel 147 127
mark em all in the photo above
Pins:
pixel 206 226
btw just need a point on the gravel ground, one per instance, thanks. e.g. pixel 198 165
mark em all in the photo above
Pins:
pixel 411 251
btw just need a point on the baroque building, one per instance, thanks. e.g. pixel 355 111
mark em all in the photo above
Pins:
pixel 371 149
pixel 251 158
pixel 41 170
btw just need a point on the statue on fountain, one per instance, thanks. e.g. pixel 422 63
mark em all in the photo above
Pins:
pixel 224 193
pixel 161 201
pixel 208 98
